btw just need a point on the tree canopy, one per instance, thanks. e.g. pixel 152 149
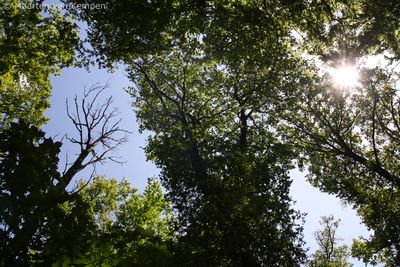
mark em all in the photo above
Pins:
pixel 348 139
pixel 234 94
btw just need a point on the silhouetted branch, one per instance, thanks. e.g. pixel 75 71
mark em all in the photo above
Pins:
pixel 98 128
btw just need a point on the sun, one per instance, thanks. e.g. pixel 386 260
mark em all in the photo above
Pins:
pixel 344 76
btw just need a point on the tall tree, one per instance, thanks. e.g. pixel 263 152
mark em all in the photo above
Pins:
pixel 32 47
pixel 349 138
pixel 329 253
pixel 225 171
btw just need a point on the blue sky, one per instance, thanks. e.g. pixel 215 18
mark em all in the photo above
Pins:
pixel 137 169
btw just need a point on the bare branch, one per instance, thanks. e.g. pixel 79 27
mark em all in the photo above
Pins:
pixel 98 128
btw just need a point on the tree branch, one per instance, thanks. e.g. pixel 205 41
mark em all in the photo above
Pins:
pixel 97 131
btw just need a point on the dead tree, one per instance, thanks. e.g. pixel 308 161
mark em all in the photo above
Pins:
pixel 98 128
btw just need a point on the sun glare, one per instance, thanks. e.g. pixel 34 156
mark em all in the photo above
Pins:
pixel 345 76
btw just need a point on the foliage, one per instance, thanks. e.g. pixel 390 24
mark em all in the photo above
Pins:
pixel 123 29
pixel 30 197
pixel 32 47
pixel 329 254
pixel 131 229
pixel 349 136
pixel 348 29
